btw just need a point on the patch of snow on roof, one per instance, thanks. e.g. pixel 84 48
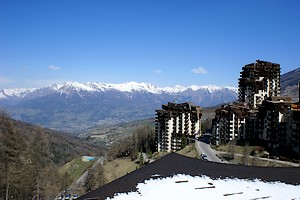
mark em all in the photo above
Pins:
pixel 203 187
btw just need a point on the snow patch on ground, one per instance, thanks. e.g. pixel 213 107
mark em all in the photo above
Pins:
pixel 203 187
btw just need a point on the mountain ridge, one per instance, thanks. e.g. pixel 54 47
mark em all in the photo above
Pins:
pixel 73 106
pixel 289 83
pixel 102 87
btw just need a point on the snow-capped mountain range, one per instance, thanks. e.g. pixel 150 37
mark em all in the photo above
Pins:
pixel 70 87
pixel 74 106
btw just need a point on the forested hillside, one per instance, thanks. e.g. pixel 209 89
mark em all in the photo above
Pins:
pixel 30 157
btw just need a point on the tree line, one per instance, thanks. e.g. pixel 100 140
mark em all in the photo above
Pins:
pixel 27 171
pixel 141 140
pixel 30 158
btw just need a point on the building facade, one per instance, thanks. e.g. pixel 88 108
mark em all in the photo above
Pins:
pixel 273 118
pixel 261 113
pixel 258 81
pixel 294 125
pixel 229 123
pixel 174 123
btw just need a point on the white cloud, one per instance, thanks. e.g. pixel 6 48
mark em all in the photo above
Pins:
pixel 157 71
pixel 199 70
pixel 5 80
pixel 54 67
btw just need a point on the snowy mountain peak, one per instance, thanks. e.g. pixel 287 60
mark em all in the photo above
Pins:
pixel 135 86
pixel 15 92
pixel 177 88
pixel 210 88
pixel 76 87
pixel 92 103
pixel 95 86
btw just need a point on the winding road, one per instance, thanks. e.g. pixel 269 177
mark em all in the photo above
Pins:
pixel 203 147
pixel 83 177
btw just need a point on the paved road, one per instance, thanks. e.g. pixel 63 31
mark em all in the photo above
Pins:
pixel 203 147
pixel 83 177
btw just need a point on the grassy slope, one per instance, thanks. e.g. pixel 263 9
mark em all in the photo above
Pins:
pixel 75 168
pixel 189 151
pixel 117 168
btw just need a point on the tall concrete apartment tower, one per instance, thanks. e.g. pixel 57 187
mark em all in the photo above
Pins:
pixel 258 81
pixel 174 123
pixel 294 124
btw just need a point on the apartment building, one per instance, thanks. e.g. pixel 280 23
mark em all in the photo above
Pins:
pixel 229 123
pixel 219 127
pixel 294 125
pixel 261 114
pixel 273 118
pixel 176 122
pixel 251 125
pixel 258 81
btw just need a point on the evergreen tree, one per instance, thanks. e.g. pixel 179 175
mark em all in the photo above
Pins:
pixel 184 141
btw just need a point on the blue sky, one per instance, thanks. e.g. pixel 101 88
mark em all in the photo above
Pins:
pixel 163 42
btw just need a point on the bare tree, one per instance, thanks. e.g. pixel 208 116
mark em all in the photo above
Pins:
pixel 245 160
pixel 231 149
pixel 39 159
pixel 142 139
pixel 95 178
pixel 11 157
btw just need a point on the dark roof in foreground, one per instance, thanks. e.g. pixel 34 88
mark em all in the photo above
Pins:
pixel 173 163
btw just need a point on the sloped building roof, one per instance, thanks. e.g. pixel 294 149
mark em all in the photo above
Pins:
pixel 173 164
